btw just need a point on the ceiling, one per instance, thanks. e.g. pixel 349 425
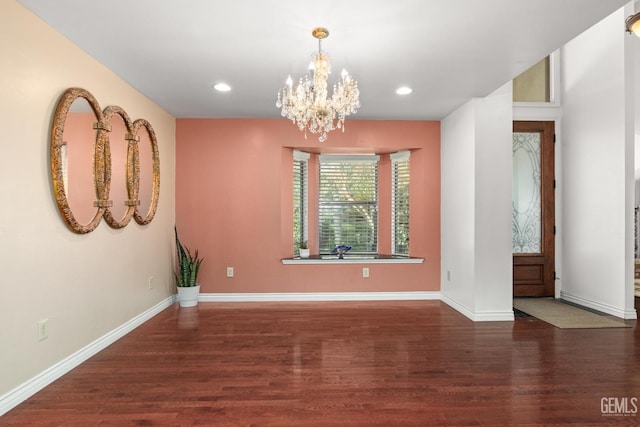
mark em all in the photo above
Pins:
pixel 174 51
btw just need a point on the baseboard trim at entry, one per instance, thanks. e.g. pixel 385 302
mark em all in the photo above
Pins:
pixel 604 308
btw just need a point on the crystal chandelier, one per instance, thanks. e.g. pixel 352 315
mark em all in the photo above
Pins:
pixel 308 104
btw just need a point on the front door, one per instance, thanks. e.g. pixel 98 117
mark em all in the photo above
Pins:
pixel 533 209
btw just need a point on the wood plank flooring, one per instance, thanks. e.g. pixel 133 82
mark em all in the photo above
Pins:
pixel 344 364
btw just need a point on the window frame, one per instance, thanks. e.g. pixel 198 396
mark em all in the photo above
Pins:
pixel 301 160
pixel 554 87
pixel 398 159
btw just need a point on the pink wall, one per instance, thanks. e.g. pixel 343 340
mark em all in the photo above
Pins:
pixel 233 203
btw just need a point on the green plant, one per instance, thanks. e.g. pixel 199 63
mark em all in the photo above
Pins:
pixel 188 265
pixel 304 245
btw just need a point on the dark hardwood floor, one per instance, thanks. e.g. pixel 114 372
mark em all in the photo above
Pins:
pixel 345 364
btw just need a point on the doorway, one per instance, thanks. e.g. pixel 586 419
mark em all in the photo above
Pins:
pixel 533 209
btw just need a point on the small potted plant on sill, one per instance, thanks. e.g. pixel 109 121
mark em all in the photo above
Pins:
pixel 304 250
pixel 187 274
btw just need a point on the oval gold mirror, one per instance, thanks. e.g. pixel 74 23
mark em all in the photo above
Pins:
pixel 147 163
pixel 77 160
pixel 119 150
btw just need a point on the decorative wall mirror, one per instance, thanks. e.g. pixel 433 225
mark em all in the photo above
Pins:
pixel 95 154
pixel 119 150
pixel 77 160
pixel 148 168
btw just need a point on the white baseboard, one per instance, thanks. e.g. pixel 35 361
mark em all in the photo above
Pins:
pixel 356 296
pixel 21 393
pixel 480 316
pixel 318 296
pixel 604 308
pixel 493 316
pixel 458 307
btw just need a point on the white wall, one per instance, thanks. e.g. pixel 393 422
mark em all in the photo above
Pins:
pixel 635 47
pixel 476 160
pixel 635 51
pixel 597 169
pixel 458 208
pixel 86 285
pixel 493 190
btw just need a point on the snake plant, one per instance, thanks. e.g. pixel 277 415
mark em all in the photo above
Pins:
pixel 188 265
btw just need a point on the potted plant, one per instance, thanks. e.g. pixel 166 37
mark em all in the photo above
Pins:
pixel 187 274
pixel 304 250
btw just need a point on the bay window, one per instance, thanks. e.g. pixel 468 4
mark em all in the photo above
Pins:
pixel 345 203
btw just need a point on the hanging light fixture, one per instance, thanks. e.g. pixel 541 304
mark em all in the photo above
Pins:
pixel 308 104
pixel 632 24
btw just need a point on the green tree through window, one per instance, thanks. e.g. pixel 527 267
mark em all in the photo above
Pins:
pixel 348 203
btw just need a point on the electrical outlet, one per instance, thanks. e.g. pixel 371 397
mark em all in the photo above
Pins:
pixel 365 272
pixel 229 271
pixel 43 326
pixel 150 281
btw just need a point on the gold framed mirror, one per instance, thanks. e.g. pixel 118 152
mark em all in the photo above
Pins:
pixel 121 184
pixel 77 160
pixel 97 156
pixel 147 166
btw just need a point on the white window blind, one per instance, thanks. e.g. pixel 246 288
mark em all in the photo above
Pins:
pixel 348 203
pixel 400 203
pixel 300 199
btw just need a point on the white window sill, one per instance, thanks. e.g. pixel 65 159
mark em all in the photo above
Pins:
pixel 353 259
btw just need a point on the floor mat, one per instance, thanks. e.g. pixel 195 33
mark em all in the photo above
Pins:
pixel 564 315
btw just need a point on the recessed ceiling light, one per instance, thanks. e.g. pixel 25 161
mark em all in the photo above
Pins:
pixel 222 87
pixel 404 90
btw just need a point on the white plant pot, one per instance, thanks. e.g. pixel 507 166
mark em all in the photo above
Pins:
pixel 188 296
pixel 304 253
